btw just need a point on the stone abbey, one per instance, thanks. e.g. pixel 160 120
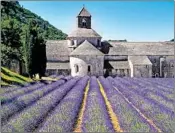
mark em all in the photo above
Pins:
pixel 83 53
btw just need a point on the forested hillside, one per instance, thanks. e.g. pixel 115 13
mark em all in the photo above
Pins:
pixel 19 33
pixel 23 16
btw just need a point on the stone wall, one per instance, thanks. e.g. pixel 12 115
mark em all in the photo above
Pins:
pixel 92 40
pixel 117 72
pixel 64 72
pixel 142 71
pixel 115 58
pixel 96 64
pixel 164 68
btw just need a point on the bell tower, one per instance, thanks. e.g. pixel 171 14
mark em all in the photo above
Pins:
pixel 84 19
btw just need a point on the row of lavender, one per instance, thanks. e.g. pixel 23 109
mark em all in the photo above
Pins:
pixel 55 107
pixel 96 118
pixel 55 111
pixel 17 100
pixel 14 88
pixel 153 100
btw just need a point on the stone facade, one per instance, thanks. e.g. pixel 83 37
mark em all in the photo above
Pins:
pixel 83 53
pixel 163 66
pixel 86 65
pixel 75 42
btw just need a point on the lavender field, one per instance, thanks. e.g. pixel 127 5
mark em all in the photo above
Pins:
pixel 90 104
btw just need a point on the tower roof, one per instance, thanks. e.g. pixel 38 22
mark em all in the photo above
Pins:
pixel 86 48
pixel 83 32
pixel 84 12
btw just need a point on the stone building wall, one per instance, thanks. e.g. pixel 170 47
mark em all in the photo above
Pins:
pixel 164 68
pixel 96 64
pixel 140 66
pixel 117 72
pixel 142 71
pixel 92 40
pixel 64 72
pixel 115 57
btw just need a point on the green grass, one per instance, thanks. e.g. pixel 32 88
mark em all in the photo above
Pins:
pixel 9 78
pixel 4 83
pixel 15 75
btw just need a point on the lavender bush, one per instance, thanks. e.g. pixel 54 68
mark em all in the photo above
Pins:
pixel 96 117
pixel 8 97
pixel 31 117
pixel 64 115
pixel 129 118
pixel 22 101
pixel 149 92
pixel 161 88
pixel 161 115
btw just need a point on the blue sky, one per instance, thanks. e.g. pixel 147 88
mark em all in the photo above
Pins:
pixel 134 21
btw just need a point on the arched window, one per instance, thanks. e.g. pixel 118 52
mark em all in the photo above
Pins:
pixel 76 68
pixel 84 22
pixel 89 68
pixel 171 64
pixel 155 60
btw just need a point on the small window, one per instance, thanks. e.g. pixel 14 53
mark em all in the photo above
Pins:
pixel 171 64
pixel 89 68
pixel 76 68
pixel 84 22
pixel 154 60
pixel 98 42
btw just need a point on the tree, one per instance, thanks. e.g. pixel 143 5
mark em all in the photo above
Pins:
pixel 19 37
pixel 37 52
pixel 8 8
pixel 11 42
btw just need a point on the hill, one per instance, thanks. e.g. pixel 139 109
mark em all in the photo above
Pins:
pixel 22 15
pixel 17 34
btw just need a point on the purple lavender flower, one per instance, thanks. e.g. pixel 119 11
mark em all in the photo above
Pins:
pixel 96 118
pixel 64 115
pixel 161 115
pixel 31 117
pixel 129 118
pixel 8 97
pixel 22 101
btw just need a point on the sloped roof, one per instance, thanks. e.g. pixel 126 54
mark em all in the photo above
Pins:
pixel 119 64
pixel 84 12
pixel 86 48
pixel 83 32
pixel 141 48
pixel 58 65
pixel 57 50
pixel 139 60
